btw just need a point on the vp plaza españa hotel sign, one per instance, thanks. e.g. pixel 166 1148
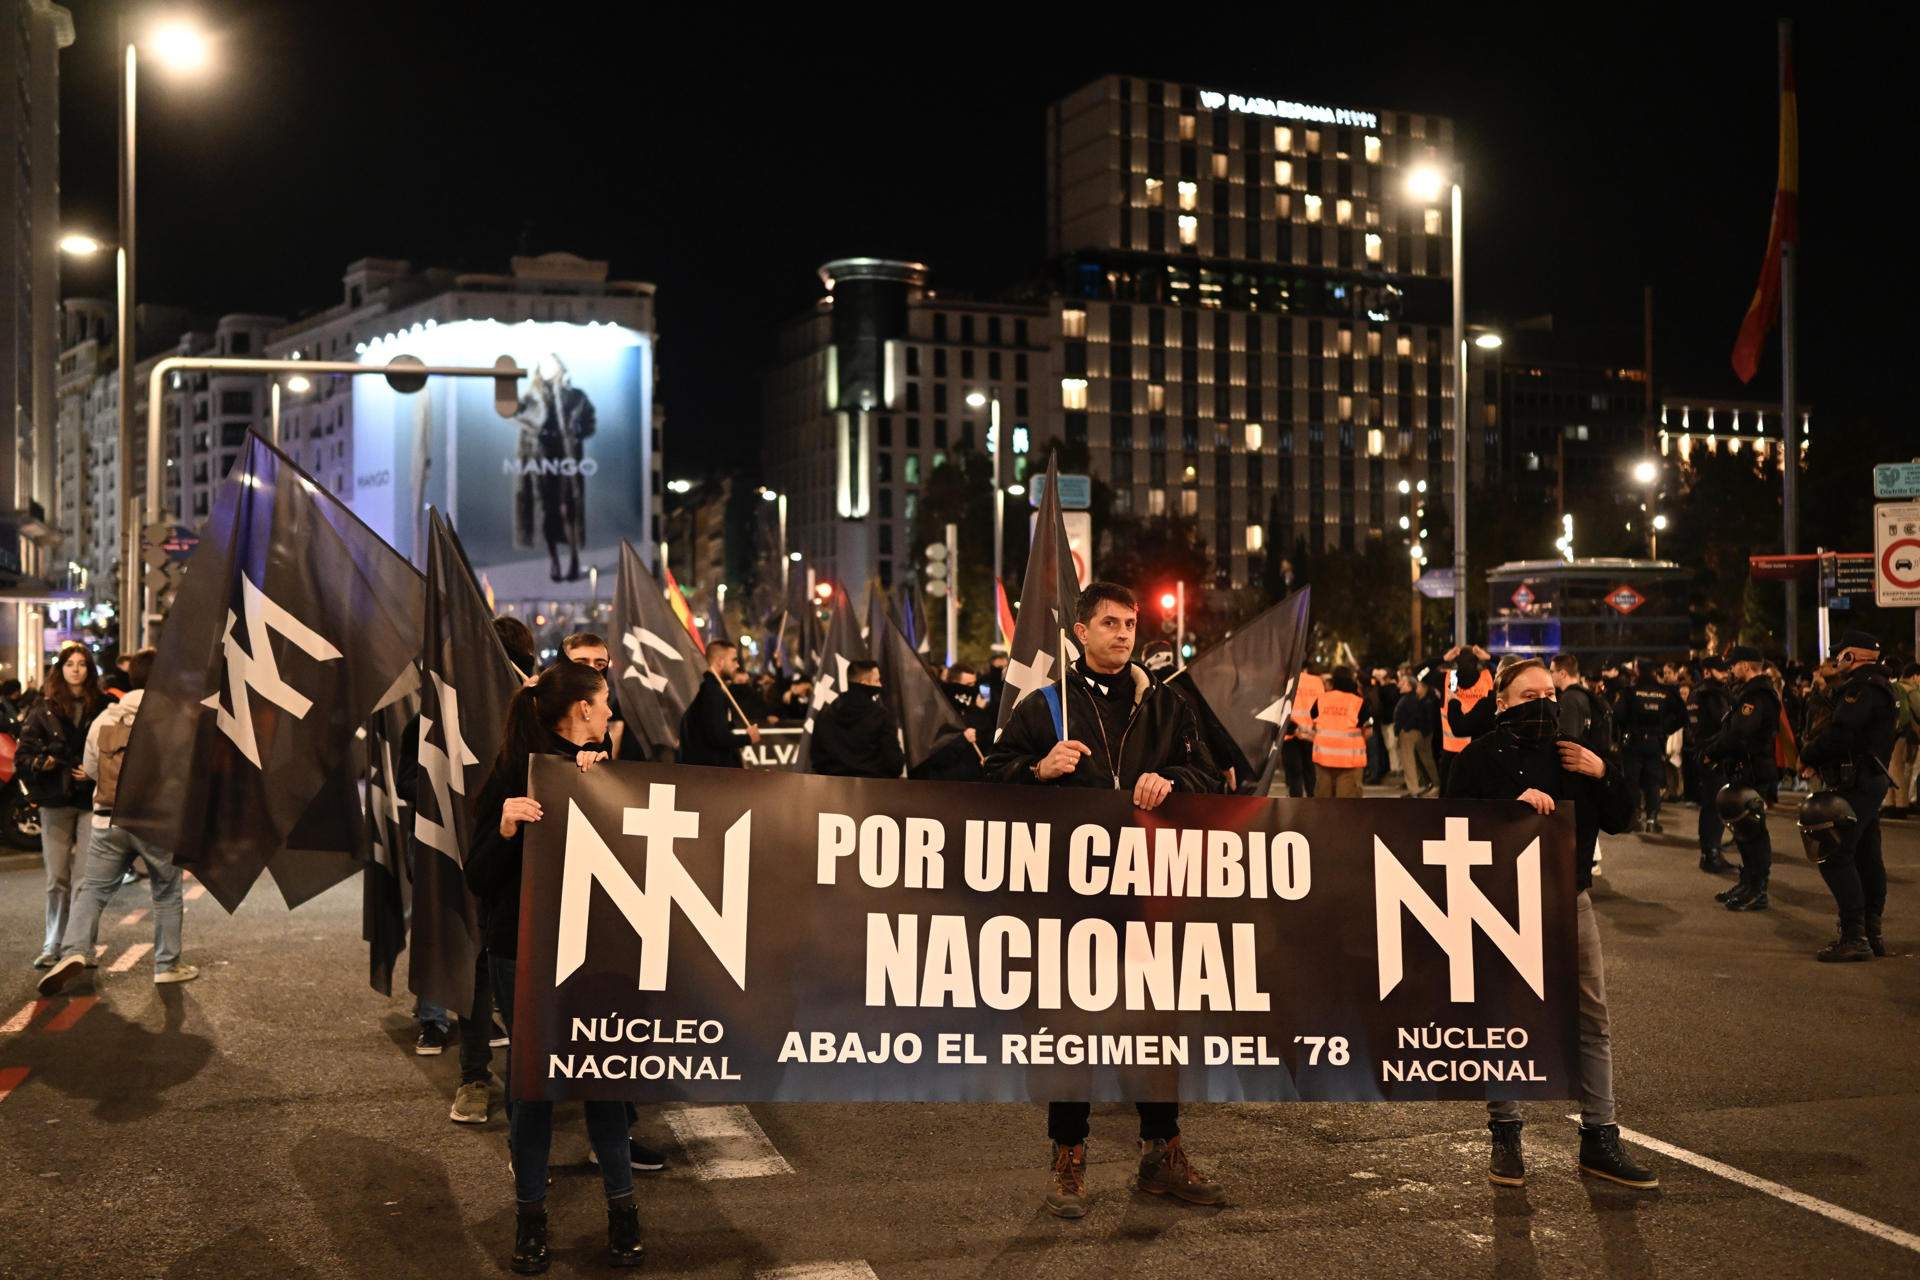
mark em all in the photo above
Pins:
pixel 1284 110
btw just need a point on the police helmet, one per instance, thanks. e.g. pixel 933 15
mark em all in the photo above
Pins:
pixel 1157 657
pixel 1743 809
pixel 1825 820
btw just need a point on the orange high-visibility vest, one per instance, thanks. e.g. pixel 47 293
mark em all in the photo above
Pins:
pixel 1337 742
pixel 1306 692
pixel 1468 698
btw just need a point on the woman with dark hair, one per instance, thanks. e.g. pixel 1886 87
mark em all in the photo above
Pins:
pixel 51 747
pixel 1525 758
pixel 562 713
pixel 517 638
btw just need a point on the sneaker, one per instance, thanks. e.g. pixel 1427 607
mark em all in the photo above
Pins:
pixel 1067 1190
pixel 1755 900
pixel 470 1104
pixel 498 1039
pixel 1850 946
pixel 645 1159
pixel 1165 1170
pixel 61 973
pixel 432 1041
pixel 1601 1156
pixel 46 959
pixel 1508 1166
pixel 179 973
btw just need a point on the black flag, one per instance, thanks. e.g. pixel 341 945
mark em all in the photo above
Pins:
pixel 466 682
pixel 1248 681
pixel 926 716
pixel 841 646
pixel 293 622
pixel 1048 597
pixel 386 887
pixel 656 666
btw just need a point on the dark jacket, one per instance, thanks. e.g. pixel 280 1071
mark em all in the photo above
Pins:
pixel 1160 735
pixel 1743 744
pixel 50 749
pixel 493 863
pixel 1586 719
pixel 1419 711
pixel 1497 766
pixel 707 730
pixel 1649 713
pixel 855 736
pixel 1853 749
pixel 1470 724
pixel 1706 712
pixel 959 760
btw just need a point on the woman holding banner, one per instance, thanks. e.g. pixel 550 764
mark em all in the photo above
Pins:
pixel 563 713
pixel 1526 758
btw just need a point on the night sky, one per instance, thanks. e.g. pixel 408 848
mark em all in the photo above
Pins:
pixel 1600 159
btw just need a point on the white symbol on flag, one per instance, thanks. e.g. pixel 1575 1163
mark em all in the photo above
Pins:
pixel 258 671
pixel 1279 709
pixel 826 690
pixel 446 771
pixel 638 639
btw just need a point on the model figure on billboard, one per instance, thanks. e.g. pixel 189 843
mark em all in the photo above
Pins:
pixel 555 420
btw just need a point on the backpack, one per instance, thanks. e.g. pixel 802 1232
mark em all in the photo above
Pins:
pixel 111 748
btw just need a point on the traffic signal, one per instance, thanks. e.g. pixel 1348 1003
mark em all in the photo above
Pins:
pixel 1167 601
pixel 937 570
pixel 823 591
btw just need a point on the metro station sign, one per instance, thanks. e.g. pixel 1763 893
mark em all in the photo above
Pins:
pixel 1522 597
pixel 1623 599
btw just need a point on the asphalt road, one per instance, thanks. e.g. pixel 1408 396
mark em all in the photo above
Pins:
pixel 270 1119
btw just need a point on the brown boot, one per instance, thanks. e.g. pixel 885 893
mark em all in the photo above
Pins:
pixel 1067 1194
pixel 1164 1170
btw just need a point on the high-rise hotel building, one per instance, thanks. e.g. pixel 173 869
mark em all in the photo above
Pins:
pixel 1252 311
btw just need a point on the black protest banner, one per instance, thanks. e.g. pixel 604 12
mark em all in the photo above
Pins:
pixel 708 935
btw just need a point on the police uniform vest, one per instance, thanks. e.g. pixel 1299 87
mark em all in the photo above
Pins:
pixel 1337 742
pixel 1469 698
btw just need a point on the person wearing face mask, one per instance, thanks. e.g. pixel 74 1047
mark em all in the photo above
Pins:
pixel 1526 758
pixel 1851 754
pixel 1463 718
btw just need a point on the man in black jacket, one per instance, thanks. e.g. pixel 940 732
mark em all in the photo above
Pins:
pixel 1649 713
pixel 961 760
pixel 1742 752
pixel 1144 740
pixel 855 736
pixel 1851 756
pixel 1706 712
pixel 710 730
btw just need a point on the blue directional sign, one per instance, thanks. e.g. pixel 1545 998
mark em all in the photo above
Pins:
pixel 1897 480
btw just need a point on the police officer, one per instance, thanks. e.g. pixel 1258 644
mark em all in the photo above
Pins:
pixel 1706 712
pixel 1851 756
pixel 1648 714
pixel 1737 761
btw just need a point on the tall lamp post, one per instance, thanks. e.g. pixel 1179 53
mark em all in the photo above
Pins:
pixel 980 400
pixel 1646 474
pixel 1426 184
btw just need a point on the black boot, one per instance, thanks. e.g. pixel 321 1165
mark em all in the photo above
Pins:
pixel 1875 943
pixel 1508 1166
pixel 1602 1157
pixel 530 1241
pixel 1711 862
pixel 623 1233
pixel 1754 899
pixel 1731 897
pixel 1850 946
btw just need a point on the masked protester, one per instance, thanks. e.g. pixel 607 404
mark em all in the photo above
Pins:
pixel 962 759
pixel 855 736
pixel 1850 755
pixel 1526 758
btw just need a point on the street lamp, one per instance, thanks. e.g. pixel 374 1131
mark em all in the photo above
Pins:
pixel 1488 341
pixel 981 400
pixel 1425 184
pixel 80 245
pixel 787 558
pixel 1646 472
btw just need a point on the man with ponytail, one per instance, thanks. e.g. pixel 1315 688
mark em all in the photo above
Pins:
pixel 564 713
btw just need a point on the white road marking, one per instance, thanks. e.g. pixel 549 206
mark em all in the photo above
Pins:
pixel 22 1020
pixel 820 1271
pixel 194 892
pixel 99 949
pixel 134 917
pixel 1845 1217
pixel 130 957
pixel 725 1142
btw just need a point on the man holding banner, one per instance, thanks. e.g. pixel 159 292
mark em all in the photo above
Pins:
pixel 1149 743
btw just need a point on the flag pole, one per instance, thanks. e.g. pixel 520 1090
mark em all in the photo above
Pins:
pixel 1790 444
pixel 1063 687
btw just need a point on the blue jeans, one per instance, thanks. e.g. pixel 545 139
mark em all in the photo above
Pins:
pixel 65 831
pixel 109 855
pixel 530 1124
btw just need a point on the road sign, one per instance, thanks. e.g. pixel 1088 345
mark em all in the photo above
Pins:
pixel 1896 554
pixel 1436 584
pixel 1076 492
pixel 1897 480
pixel 1780 568
pixel 1623 599
pixel 1852 573
pixel 1522 597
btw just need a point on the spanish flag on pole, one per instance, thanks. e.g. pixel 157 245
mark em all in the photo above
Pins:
pixel 677 601
pixel 1765 307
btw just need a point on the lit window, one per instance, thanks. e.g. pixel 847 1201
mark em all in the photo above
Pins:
pixel 1283 173
pixel 1373 341
pixel 1073 393
pixel 1189 229
pixel 1189 502
pixel 1373 246
pixel 1373 215
pixel 1313 208
pixel 1186 128
pixel 1344 408
pixel 1253 435
pixel 1219 164
pixel 1256 537
pixel 1343 342
pixel 1156 193
pixel 1313 142
pixel 1189 195
pixel 1156 502
pixel 1156 398
pixel 1373 149
pixel 1376 442
pixel 1282 138
pixel 1433 222
pixel 1403 345
pixel 1283 204
pixel 1073 324
pixel 1343 211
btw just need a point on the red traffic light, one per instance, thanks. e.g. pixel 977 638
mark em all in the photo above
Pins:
pixel 824 590
pixel 1167 600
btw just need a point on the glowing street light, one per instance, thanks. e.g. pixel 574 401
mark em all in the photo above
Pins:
pixel 299 384
pixel 179 46
pixel 976 399
pixel 1646 472
pixel 1426 183
pixel 80 245
pixel 1488 341
pixel 1660 524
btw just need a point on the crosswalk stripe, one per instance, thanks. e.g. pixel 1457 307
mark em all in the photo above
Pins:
pixel 134 917
pixel 819 1271
pixel 22 1020
pixel 76 1009
pixel 130 957
pixel 725 1142
pixel 99 949
pixel 195 893
pixel 10 1078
